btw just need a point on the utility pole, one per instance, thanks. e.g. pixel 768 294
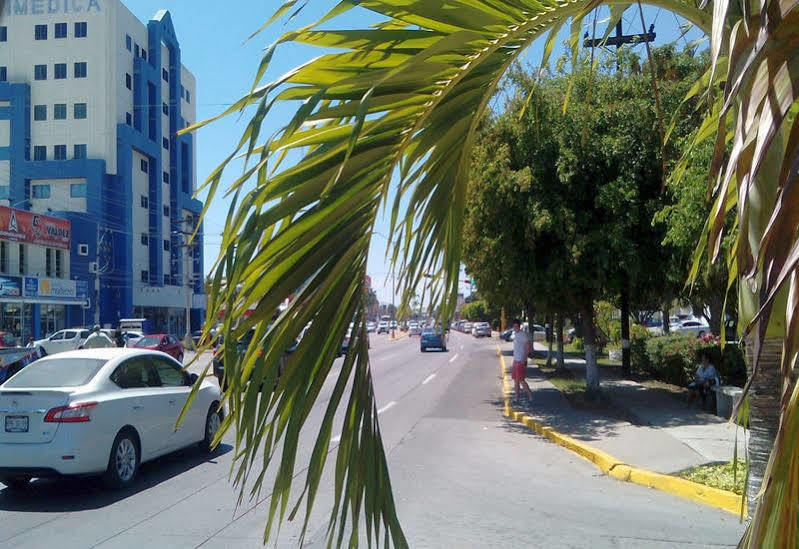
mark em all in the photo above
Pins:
pixel 620 39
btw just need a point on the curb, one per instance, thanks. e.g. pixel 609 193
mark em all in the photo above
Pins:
pixel 614 467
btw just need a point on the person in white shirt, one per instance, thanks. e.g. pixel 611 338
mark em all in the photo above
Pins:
pixel 706 378
pixel 521 350
pixel 97 340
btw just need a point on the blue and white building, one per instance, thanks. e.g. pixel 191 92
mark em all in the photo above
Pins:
pixel 91 102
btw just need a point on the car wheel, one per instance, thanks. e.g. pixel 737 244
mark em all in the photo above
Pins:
pixel 16 484
pixel 123 463
pixel 213 421
pixel 444 349
pixel 423 349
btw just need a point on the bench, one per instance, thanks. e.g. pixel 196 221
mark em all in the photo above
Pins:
pixel 727 397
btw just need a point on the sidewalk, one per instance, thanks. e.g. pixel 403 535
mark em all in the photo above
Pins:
pixel 654 431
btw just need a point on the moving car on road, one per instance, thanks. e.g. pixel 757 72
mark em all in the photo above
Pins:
pixel 414 329
pixel 382 327
pixel 165 343
pixel 99 411
pixel 62 340
pixel 507 335
pixel 481 329
pixel 433 338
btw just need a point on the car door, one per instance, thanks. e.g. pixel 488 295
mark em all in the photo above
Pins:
pixel 70 341
pixel 175 387
pixel 146 407
pixel 83 335
pixel 55 343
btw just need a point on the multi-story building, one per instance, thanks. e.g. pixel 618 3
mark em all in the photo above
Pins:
pixel 91 103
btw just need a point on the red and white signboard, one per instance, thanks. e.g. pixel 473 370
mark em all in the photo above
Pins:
pixel 32 228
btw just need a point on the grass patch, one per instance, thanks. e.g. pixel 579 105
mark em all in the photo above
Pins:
pixel 718 475
pixel 567 384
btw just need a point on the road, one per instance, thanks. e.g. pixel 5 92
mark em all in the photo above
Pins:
pixel 463 477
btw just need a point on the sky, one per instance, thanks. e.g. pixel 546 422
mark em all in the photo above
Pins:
pixel 214 45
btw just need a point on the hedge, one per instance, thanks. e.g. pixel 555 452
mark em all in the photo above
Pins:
pixel 674 358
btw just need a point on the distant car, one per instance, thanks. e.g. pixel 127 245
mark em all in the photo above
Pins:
pixel 694 327
pixel 481 329
pixel 466 328
pixel 538 333
pixel 8 340
pixel 100 411
pixel 382 327
pixel 507 335
pixel 165 343
pixel 62 340
pixel 654 327
pixel 370 327
pixel 131 337
pixel 393 324
pixel 414 329
pixel 433 338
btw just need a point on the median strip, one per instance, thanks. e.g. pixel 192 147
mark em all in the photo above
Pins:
pixel 614 467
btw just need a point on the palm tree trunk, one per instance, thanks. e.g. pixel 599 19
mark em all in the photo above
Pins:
pixel 764 411
pixel 561 365
pixel 589 333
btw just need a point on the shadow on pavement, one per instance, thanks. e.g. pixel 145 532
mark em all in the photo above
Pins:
pixel 66 494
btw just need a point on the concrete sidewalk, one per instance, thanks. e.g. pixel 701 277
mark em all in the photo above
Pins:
pixel 653 430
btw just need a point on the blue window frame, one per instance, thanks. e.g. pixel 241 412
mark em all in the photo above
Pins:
pixel 165 109
pixel 145 167
pixel 128 42
pixel 39 152
pixel 80 69
pixel 128 81
pixel 128 119
pixel 77 190
pixel 81 29
pixel 60 30
pixel 145 276
pixel 40 72
pixel 166 211
pixel 144 239
pixel 40 32
pixel 60 111
pixel 145 202
pixel 60 152
pixel 4 34
pixel 79 151
pixel 188 96
pixel 165 143
pixel 166 180
pixel 40 112
pixel 40 191
pixel 4 74
pixel 79 111
pixel 166 245
pixel 136 50
pixel 165 75
pixel 60 71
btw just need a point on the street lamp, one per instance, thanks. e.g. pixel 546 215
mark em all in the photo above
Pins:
pixel 393 288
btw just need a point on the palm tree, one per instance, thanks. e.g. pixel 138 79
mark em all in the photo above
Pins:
pixel 401 100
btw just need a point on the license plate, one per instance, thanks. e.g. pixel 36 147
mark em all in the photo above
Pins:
pixel 16 424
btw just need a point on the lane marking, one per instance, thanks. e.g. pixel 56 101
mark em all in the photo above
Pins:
pixel 429 379
pixel 335 439
pixel 386 407
pixel 453 359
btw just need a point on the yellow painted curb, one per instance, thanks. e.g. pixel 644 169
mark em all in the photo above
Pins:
pixel 616 468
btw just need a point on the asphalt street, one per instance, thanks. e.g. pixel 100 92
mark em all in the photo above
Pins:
pixel 463 476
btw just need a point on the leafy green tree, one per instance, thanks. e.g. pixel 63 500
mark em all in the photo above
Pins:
pixel 475 311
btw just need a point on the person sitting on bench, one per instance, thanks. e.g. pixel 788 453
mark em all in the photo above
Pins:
pixel 706 378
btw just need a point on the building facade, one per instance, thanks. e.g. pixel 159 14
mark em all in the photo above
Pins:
pixel 91 103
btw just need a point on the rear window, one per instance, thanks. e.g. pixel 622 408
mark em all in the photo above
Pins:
pixel 56 372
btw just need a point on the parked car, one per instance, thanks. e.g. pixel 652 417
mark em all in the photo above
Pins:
pixel 467 327
pixel 382 327
pixel 433 338
pixel 538 333
pixel 507 335
pixel 61 341
pixel 481 329
pixel 131 337
pixel 694 327
pixel 654 327
pixel 414 329
pixel 8 340
pixel 393 324
pixel 218 363
pixel 109 409
pixel 165 343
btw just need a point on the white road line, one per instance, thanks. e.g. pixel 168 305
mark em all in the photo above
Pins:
pixel 429 379
pixel 335 439
pixel 386 407
pixel 453 359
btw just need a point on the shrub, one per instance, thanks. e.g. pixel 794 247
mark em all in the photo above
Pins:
pixel 674 359
pixel 578 344
pixel 638 338
pixel 732 368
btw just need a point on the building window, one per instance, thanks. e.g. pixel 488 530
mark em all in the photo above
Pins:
pixel 60 71
pixel 23 259
pixel 136 50
pixel 165 143
pixel 166 178
pixel 79 151
pixel 48 267
pixel 4 192
pixel 83 249
pixel 77 190
pixel 40 72
pixel 144 54
pixel 145 277
pixel 80 69
pixel 3 74
pixel 40 112
pixel 60 30
pixel 128 83
pixel 41 191
pixel 144 240
pixel 165 75
pixel 59 263
pixel 166 211
pixel 128 119
pixel 3 257
pixel 40 32
pixel 60 111
pixel 188 96
pixel 144 166
pixel 3 34
pixel 128 42
pixel 59 153
pixel 165 109
pixel 145 202
pixel 166 245
pixel 81 29
pixel 79 111
pixel 39 152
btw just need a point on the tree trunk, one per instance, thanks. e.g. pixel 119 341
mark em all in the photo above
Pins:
pixel 716 311
pixel 764 411
pixel 561 364
pixel 589 335
pixel 548 333
pixel 625 330
pixel 664 313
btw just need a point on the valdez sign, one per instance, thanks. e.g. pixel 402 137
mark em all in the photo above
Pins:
pixel 32 228
pixel 49 7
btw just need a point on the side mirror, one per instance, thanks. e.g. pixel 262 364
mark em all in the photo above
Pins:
pixel 193 378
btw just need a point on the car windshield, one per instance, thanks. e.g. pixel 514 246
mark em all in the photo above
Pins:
pixel 56 372
pixel 149 341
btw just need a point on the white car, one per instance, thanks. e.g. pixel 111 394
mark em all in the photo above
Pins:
pixel 414 329
pixel 131 337
pixel 694 327
pixel 382 327
pixel 99 411
pixel 62 340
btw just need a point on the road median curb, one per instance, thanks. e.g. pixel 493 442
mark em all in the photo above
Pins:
pixel 616 468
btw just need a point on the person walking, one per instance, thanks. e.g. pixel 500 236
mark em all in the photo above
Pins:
pixel 521 350
pixel 97 340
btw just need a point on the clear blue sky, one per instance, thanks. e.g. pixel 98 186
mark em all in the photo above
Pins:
pixel 214 46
